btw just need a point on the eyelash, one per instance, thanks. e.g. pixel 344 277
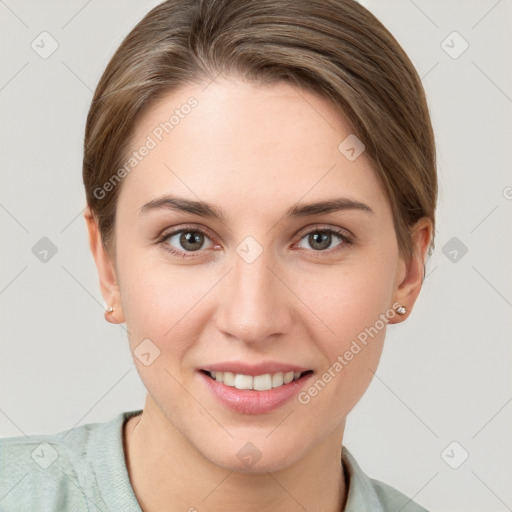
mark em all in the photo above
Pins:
pixel 345 239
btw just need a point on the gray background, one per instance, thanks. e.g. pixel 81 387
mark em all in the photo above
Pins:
pixel 444 375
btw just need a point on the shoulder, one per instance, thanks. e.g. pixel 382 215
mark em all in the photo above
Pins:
pixel 57 471
pixel 45 468
pixel 367 494
pixel 392 499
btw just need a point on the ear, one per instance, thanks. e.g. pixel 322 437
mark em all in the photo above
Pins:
pixel 106 270
pixel 412 271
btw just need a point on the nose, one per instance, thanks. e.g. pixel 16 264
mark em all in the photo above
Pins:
pixel 255 304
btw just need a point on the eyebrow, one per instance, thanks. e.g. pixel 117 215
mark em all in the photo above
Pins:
pixel 207 210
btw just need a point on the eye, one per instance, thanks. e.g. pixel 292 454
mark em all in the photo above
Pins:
pixel 185 241
pixel 322 239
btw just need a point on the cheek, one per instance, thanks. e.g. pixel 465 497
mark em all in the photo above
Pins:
pixel 353 302
pixel 161 322
pixel 348 298
pixel 162 302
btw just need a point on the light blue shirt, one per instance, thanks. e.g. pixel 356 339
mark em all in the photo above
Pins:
pixel 83 470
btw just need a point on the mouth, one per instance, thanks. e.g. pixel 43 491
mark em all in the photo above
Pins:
pixel 256 387
pixel 263 382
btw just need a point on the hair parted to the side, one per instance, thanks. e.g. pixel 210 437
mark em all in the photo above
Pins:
pixel 335 48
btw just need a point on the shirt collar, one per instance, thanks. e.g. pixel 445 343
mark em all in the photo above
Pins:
pixel 361 496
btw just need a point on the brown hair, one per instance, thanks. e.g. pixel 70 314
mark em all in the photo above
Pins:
pixel 335 48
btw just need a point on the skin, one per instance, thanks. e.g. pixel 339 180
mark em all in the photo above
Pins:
pixel 253 151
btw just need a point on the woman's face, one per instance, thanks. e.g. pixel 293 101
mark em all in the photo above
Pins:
pixel 271 286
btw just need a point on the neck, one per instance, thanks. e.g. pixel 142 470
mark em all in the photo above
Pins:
pixel 165 468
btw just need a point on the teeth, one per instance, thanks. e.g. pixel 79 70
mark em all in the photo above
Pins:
pixel 262 382
pixel 258 382
pixel 277 379
pixel 229 378
pixel 288 377
pixel 243 381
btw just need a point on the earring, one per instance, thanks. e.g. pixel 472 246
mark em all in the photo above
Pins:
pixel 401 310
pixel 110 310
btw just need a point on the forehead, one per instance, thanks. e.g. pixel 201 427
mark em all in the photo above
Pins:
pixel 246 145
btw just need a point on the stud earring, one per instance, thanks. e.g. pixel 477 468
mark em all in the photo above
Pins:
pixel 401 310
pixel 110 310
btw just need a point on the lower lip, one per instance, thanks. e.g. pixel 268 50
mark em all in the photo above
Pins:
pixel 248 401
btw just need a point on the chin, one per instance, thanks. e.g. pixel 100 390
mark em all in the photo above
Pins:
pixel 253 457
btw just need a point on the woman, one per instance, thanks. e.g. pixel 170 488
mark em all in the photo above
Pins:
pixel 261 189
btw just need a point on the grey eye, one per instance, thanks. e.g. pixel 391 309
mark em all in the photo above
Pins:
pixel 320 240
pixel 188 240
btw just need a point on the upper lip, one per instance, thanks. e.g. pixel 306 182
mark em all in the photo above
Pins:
pixel 254 369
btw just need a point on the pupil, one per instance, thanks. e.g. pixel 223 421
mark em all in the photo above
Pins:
pixel 190 241
pixel 321 237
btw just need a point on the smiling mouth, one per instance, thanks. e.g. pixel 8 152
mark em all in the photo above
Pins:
pixel 263 382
